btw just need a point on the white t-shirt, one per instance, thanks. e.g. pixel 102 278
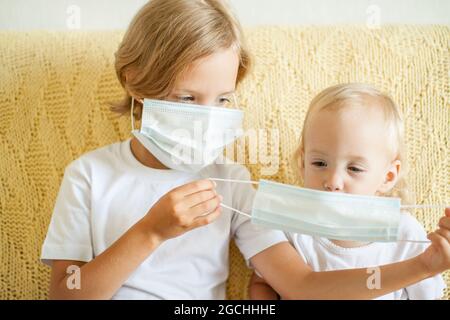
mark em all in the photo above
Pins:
pixel 323 255
pixel 106 191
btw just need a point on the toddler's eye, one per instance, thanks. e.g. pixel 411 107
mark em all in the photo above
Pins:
pixel 355 169
pixel 319 164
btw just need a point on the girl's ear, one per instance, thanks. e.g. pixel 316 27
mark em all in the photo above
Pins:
pixel 391 177
pixel 129 74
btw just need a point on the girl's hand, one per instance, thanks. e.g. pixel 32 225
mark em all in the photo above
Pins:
pixel 437 256
pixel 182 209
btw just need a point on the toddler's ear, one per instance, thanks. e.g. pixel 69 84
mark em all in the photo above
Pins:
pixel 391 177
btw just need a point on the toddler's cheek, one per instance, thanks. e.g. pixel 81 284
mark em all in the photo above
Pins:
pixel 368 189
pixel 313 182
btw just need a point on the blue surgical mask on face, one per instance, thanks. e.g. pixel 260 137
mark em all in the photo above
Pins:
pixel 186 137
pixel 338 216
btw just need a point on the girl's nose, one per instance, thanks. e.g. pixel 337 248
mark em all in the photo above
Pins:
pixel 206 100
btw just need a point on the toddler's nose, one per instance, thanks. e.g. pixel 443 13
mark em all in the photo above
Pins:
pixel 334 184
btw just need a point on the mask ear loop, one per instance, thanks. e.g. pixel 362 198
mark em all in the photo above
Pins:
pixel 238 181
pixel 236 210
pixel 132 113
pixel 233 180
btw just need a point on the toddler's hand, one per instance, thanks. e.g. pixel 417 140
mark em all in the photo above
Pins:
pixel 437 255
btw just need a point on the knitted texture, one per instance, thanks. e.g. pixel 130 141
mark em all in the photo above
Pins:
pixel 55 87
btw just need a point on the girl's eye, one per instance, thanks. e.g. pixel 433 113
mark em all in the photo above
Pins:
pixel 225 102
pixel 355 169
pixel 188 99
pixel 319 164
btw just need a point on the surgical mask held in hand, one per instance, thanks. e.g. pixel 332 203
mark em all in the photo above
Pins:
pixel 184 136
pixel 338 216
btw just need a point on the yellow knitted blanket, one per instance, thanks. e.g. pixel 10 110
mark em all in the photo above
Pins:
pixel 54 90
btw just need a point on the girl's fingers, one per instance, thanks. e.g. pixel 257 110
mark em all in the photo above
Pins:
pixel 193 187
pixel 196 198
pixel 199 185
pixel 447 212
pixel 444 222
pixel 206 219
pixel 204 208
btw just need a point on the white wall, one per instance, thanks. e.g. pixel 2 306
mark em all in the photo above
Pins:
pixel 116 14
